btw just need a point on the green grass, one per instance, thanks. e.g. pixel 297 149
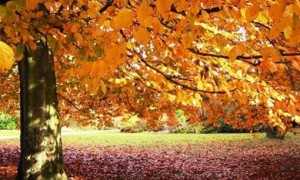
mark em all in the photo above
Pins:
pixel 144 139
pixel 9 133
pixel 149 139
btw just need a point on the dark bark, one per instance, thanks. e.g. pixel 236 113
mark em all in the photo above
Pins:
pixel 3 2
pixel 274 132
pixel 41 147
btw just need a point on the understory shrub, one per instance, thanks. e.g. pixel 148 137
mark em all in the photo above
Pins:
pixel 189 129
pixel 274 132
pixel 131 124
pixel 7 122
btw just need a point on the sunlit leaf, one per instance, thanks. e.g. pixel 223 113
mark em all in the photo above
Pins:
pixel 123 19
pixel 141 35
pixel 6 57
pixel 296 65
pixel 144 11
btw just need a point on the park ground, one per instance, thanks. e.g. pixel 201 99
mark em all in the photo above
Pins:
pixel 115 155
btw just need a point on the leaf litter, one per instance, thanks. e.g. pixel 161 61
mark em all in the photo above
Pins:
pixel 263 159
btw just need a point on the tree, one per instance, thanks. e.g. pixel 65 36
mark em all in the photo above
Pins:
pixel 41 147
pixel 198 54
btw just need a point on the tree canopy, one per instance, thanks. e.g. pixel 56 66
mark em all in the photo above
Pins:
pixel 227 57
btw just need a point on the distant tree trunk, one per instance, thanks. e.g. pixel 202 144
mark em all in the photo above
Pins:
pixel 274 132
pixel 41 147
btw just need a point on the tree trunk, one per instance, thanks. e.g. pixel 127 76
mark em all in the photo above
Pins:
pixel 274 132
pixel 41 147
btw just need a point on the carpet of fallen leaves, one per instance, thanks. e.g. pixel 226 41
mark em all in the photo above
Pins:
pixel 262 159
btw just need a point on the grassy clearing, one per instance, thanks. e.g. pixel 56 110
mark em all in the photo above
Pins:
pixel 150 139
pixel 144 139
pixel 4 133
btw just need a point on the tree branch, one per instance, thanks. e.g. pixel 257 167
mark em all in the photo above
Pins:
pixel 106 6
pixel 69 101
pixel 183 13
pixel 168 77
pixel 140 80
pixel 241 57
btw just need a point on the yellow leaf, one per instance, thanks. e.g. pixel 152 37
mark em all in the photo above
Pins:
pixel 297 119
pixel 6 57
pixel 103 87
pixel 262 18
pixel 255 135
pixel 288 32
pixel 123 19
pixel 228 92
pixel 171 97
pixel 141 35
pixel 144 11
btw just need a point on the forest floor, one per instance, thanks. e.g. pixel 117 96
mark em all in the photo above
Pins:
pixel 170 156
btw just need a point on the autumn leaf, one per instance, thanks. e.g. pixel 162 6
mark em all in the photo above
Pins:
pixel 163 6
pixel 296 8
pixel 142 36
pixel 144 11
pixel 252 12
pixel 3 12
pixel 272 66
pixel 271 53
pixel 237 50
pixel 297 119
pixel 6 57
pixel 232 54
pixel 32 4
pixel 288 31
pixel 123 19
pixel 296 65
pixel 276 11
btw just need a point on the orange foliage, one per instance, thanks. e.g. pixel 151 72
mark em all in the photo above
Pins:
pixel 163 54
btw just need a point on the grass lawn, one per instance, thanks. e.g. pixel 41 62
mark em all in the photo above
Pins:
pixel 143 139
pixel 149 139
pixel 4 133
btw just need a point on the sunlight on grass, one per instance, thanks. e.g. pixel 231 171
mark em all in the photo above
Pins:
pixel 4 133
pixel 144 139
pixel 149 139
